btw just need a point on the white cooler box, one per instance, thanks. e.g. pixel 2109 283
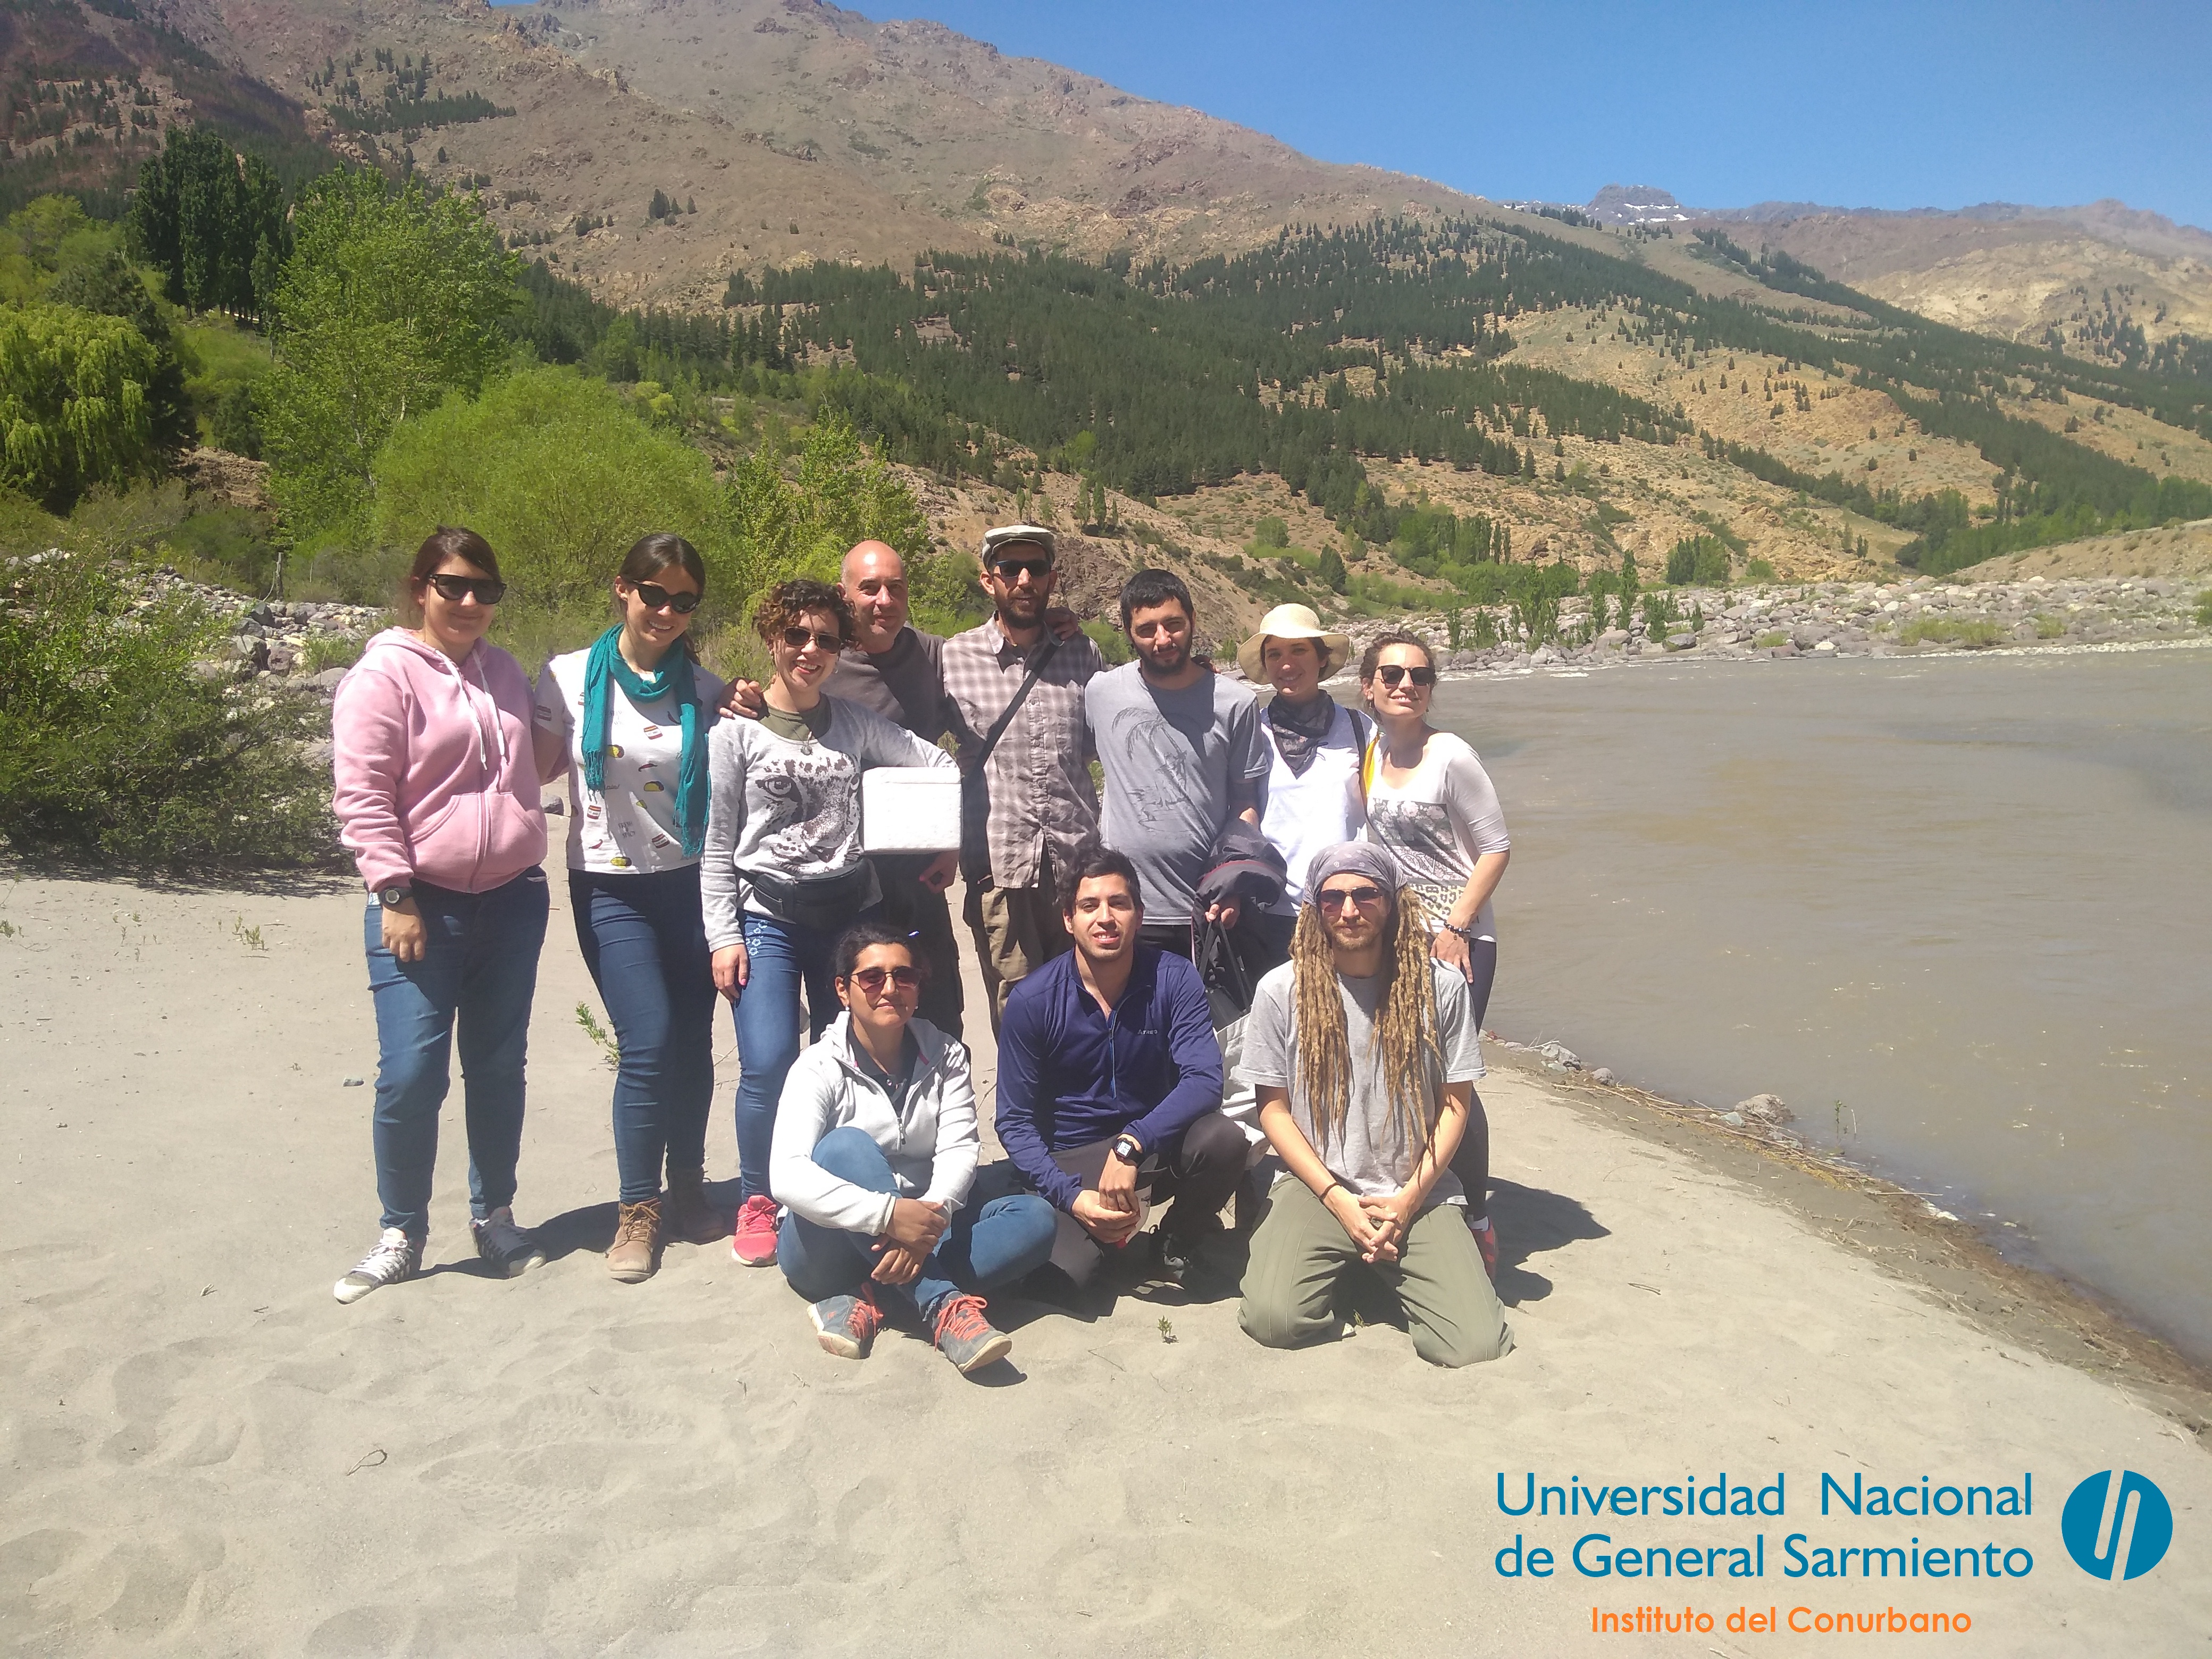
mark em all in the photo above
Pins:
pixel 909 808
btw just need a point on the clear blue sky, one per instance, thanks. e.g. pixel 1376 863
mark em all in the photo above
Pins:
pixel 1934 104
pixel 1853 103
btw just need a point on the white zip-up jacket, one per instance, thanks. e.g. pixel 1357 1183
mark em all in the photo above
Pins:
pixel 932 1146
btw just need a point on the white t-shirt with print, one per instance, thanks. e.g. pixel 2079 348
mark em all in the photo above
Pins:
pixel 630 827
pixel 1437 823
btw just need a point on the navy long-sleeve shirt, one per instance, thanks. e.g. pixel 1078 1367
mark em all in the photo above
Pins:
pixel 1070 1074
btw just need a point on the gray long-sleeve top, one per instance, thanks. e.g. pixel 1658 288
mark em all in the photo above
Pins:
pixel 792 809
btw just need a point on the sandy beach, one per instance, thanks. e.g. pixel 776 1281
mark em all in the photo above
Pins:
pixel 206 1454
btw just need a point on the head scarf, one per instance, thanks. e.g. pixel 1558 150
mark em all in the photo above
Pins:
pixel 1354 857
pixel 604 669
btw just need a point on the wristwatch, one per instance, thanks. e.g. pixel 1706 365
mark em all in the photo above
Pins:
pixel 393 896
pixel 1129 1150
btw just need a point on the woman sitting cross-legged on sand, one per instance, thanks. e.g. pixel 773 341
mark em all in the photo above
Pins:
pixel 1431 804
pixel 437 800
pixel 1364 1053
pixel 627 721
pixel 783 875
pixel 875 1151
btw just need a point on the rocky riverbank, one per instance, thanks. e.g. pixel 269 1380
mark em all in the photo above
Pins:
pixel 1922 616
pixel 277 637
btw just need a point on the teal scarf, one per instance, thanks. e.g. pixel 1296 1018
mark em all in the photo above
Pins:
pixel 605 667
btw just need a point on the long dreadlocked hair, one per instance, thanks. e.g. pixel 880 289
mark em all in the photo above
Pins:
pixel 1404 1042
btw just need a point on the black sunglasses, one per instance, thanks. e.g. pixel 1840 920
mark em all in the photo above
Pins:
pixel 1391 673
pixel 1012 570
pixel 453 589
pixel 657 598
pixel 870 979
pixel 799 638
pixel 1335 898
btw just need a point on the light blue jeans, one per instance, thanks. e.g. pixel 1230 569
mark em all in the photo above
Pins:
pixel 782 958
pixel 477 976
pixel 985 1246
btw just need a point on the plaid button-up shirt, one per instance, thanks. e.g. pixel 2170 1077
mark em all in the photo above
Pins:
pixel 1039 776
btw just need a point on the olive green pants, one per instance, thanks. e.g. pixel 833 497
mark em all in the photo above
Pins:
pixel 1301 1251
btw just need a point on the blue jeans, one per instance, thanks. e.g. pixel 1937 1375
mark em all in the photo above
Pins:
pixel 478 971
pixel 781 958
pixel 645 942
pixel 985 1245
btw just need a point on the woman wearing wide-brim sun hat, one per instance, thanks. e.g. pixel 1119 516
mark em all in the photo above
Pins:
pixel 1312 796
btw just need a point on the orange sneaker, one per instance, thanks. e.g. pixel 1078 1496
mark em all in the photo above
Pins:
pixel 754 1242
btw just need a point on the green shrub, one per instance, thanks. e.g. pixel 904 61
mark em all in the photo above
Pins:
pixel 1113 644
pixel 560 477
pixel 230 546
pixel 119 738
pixel 1973 635
pixel 1768 640
pixel 2049 627
pixel 1758 570
pixel 1698 561
pixel 2204 608
pixel 326 651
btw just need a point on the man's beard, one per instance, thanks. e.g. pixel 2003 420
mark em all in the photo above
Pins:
pixel 1009 610
pixel 1174 665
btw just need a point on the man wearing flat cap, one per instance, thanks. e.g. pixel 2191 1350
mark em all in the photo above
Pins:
pixel 1364 1053
pixel 1312 796
pixel 1016 688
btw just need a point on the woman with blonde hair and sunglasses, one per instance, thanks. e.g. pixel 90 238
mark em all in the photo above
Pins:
pixel 436 799
pixel 1432 807
pixel 783 876
pixel 628 719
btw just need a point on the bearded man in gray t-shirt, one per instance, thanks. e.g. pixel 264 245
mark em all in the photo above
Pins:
pixel 1364 1052
pixel 1183 754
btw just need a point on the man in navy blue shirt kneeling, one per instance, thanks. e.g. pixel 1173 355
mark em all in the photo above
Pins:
pixel 1110 1081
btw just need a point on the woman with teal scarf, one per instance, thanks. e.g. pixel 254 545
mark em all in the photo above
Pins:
pixel 628 719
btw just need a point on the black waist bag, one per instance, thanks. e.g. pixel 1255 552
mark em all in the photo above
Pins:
pixel 828 902
pixel 976 790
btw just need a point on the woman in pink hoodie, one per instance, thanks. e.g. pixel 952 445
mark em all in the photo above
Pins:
pixel 437 799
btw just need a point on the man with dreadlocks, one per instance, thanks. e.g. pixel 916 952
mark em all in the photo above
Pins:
pixel 1364 1052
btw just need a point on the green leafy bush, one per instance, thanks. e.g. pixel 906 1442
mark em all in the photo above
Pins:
pixel 1698 561
pixel 74 410
pixel 557 473
pixel 119 738
pixel 1113 644
pixel 1974 633
pixel 391 299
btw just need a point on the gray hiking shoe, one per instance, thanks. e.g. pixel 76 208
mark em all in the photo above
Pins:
pixel 847 1325
pixel 510 1249
pixel 395 1258
pixel 966 1338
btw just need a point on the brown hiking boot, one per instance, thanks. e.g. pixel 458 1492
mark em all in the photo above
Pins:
pixel 636 1250
pixel 685 1215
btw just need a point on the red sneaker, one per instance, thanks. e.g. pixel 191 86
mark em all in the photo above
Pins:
pixel 754 1242
pixel 1485 1240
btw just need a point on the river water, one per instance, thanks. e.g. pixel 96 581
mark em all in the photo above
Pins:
pixel 1956 911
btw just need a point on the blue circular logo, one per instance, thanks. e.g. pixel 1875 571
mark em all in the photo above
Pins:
pixel 2117 1525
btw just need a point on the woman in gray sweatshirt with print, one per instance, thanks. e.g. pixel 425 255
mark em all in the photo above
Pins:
pixel 782 875
pixel 875 1154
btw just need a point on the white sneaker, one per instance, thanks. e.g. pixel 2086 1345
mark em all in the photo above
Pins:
pixel 513 1250
pixel 395 1258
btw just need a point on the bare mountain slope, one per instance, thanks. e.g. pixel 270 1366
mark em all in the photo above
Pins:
pixel 2008 270
pixel 952 127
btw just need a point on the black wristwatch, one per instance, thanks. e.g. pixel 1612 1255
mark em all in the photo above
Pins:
pixel 1128 1149
pixel 393 896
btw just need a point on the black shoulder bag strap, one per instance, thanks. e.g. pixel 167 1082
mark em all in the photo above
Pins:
pixel 975 796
